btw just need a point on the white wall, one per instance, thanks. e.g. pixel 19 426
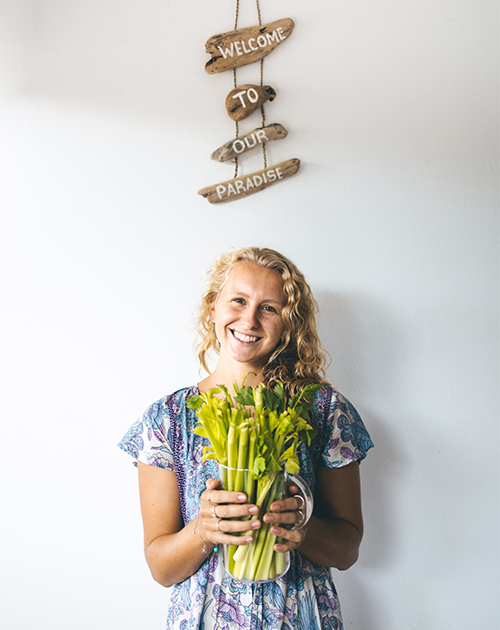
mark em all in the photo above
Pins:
pixel 107 123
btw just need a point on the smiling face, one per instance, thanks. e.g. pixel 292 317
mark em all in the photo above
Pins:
pixel 247 315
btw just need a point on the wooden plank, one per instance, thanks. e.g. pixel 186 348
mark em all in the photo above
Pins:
pixel 242 101
pixel 249 141
pixel 245 185
pixel 246 45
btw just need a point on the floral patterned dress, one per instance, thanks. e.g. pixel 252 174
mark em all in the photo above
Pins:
pixel 305 597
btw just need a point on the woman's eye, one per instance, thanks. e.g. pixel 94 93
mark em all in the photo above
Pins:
pixel 270 309
pixel 239 300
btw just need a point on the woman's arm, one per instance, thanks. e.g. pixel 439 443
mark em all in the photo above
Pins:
pixel 336 528
pixel 333 534
pixel 173 552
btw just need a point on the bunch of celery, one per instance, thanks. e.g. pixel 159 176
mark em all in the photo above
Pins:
pixel 255 437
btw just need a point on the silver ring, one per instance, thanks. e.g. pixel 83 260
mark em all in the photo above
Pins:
pixel 214 515
pixel 299 524
pixel 299 496
pixel 218 528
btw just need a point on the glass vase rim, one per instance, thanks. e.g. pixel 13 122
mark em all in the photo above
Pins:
pixel 232 468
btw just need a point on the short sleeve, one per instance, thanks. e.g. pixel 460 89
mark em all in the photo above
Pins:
pixel 147 439
pixel 345 438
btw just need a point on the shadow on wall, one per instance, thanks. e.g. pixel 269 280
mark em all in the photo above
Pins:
pixel 366 353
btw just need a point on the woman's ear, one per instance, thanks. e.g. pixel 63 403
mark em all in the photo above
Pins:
pixel 211 306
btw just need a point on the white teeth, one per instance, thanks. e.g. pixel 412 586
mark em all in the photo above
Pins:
pixel 244 338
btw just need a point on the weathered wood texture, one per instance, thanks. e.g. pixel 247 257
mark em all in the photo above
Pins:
pixel 246 45
pixel 245 185
pixel 242 101
pixel 249 141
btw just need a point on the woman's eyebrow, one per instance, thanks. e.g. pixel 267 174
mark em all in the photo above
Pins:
pixel 246 295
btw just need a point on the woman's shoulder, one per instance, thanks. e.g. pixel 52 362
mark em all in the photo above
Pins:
pixel 151 436
pixel 328 398
pixel 338 419
pixel 178 396
pixel 170 405
pixel 332 406
pixel 182 394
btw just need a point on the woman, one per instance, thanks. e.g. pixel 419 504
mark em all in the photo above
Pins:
pixel 258 314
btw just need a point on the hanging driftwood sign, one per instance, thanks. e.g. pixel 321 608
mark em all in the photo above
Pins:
pixel 250 140
pixel 248 184
pixel 246 45
pixel 229 51
pixel 243 100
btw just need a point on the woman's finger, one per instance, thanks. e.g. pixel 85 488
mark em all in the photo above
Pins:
pixel 290 504
pixel 233 511
pixel 291 538
pixel 286 518
pixel 223 526
pixel 229 539
pixel 227 511
pixel 295 518
pixel 222 531
pixel 214 497
pixel 292 535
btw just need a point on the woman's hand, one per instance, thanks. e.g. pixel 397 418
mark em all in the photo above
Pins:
pixel 289 512
pixel 216 510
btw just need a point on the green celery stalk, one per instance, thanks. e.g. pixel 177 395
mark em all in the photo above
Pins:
pixel 232 455
pixel 264 486
pixel 214 441
pixel 257 551
pixel 279 561
pixel 249 490
pixel 264 545
pixel 242 458
pixel 263 570
pixel 259 400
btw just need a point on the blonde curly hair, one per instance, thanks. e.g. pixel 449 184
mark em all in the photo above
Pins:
pixel 298 359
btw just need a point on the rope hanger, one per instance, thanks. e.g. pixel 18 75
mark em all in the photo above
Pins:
pixel 235 83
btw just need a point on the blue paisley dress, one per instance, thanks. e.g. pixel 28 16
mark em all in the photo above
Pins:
pixel 305 597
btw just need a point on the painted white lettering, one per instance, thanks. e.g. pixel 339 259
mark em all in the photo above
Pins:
pixel 236 146
pixel 255 177
pixel 272 37
pixel 240 96
pixel 244 46
pixel 261 136
pixel 264 177
pixel 237 48
pixel 252 39
pixel 272 175
pixel 253 97
pixel 228 51
pixel 230 189
pixel 249 183
pixel 240 186
pixel 262 41
pixel 247 140
pixel 279 173
pixel 280 33
pixel 220 190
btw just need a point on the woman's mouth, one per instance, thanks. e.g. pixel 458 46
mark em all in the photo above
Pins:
pixel 244 338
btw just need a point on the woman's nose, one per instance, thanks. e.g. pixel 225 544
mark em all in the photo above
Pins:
pixel 250 317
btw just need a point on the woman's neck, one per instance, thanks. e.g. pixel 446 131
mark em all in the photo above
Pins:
pixel 222 376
